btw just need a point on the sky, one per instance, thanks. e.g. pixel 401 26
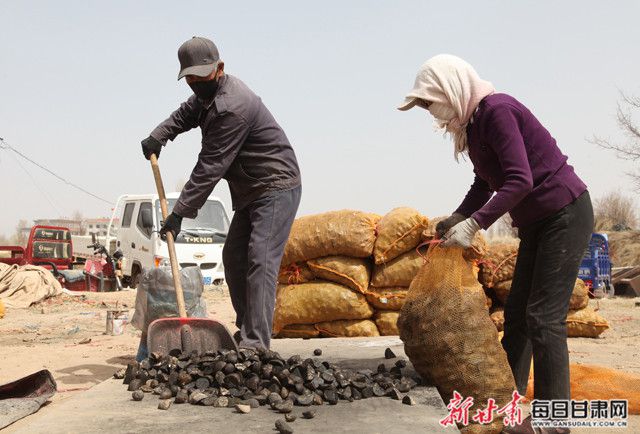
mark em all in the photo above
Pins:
pixel 83 82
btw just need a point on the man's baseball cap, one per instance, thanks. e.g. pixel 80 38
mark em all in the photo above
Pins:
pixel 198 56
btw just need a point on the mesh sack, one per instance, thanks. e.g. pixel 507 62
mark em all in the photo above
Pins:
pixel 398 232
pixel 295 273
pixel 353 273
pixel 498 263
pixel 585 323
pixel 598 383
pixel 399 271
pixel 386 298
pixel 387 322
pixel 310 303
pixel 502 290
pixel 346 232
pixel 156 296
pixel 449 337
pixel 579 296
pixel 347 328
pixel 478 248
pixel 299 331
pixel 497 316
pixel 488 301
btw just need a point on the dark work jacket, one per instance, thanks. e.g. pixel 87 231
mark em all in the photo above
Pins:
pixel 241 142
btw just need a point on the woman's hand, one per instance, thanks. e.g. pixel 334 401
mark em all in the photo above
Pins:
pixel 461 234
pixel 443 226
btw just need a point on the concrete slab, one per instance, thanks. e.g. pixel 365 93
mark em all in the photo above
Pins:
pixel 108 407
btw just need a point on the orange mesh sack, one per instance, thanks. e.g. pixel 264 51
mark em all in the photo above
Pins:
pixel 488 301
pixel 387 322
pixel 386 298
pixel 502 290
pixel 497 316
pixel 299 331
pixel 399 271
pixel 351 272
pixel 579 296
pixel 597 383
pixel 310 303
pixel 478 248
pixel 348 328
pixel 498 263
pixel 293 274
pixel 585 323
pixel 449 337
pixel 398 232
pixel 346 232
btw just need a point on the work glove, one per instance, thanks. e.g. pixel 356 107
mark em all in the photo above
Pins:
pixel 172 224
pixel 151 146
pixel 461 234
pixel 443 226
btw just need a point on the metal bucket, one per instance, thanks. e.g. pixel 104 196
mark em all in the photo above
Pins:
pixel 116 321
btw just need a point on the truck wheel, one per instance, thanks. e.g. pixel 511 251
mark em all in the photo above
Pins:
pixel 610 289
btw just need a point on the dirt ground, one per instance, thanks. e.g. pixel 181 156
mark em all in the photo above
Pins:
pixel 50 336
pixel 54 335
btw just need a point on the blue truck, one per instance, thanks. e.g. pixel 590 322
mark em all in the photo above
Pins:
pixel 595 268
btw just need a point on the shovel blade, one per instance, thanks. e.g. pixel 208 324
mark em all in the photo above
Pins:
pixel 188 335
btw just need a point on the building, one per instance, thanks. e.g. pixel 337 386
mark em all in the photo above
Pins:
pixel 90 226
pixel 96 226
pixel 75 226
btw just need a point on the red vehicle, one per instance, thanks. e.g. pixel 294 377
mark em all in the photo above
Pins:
pixel 51 247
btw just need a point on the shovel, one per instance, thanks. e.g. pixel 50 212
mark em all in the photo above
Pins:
pixel 185 334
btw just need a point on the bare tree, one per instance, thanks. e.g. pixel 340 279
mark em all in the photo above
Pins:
pixel 631 149
pixel 19 236
pixel 615 212
pixel 502 228
pixel 77 216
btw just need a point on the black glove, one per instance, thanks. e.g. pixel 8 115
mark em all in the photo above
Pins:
pixel 444 225
pixel 151 146
pixel 172 224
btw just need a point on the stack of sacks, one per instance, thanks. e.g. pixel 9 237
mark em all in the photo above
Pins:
pixel 496 274
pixel 397 261
pixel 329 285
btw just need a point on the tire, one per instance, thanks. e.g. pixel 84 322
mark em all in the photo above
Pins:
pixel 610 289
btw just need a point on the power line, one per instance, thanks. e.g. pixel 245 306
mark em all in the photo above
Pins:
pixel 36 184
pixel 5 145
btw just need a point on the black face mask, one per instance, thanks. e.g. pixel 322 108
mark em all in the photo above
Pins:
pixel 205 90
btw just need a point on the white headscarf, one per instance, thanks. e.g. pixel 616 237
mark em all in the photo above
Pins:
pixel 454 89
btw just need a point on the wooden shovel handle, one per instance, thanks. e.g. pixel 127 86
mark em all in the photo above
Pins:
pixel 175 271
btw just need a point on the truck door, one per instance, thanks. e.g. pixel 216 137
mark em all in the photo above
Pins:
pixel 125 239
pixel 144 246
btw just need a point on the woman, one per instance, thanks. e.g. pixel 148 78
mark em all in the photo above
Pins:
pixel 516 158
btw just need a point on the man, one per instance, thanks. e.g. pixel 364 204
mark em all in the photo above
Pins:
pixel 242 143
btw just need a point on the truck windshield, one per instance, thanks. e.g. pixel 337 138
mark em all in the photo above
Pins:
pixel 211 218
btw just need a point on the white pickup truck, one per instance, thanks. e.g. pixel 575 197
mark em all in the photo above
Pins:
pixel 134 229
